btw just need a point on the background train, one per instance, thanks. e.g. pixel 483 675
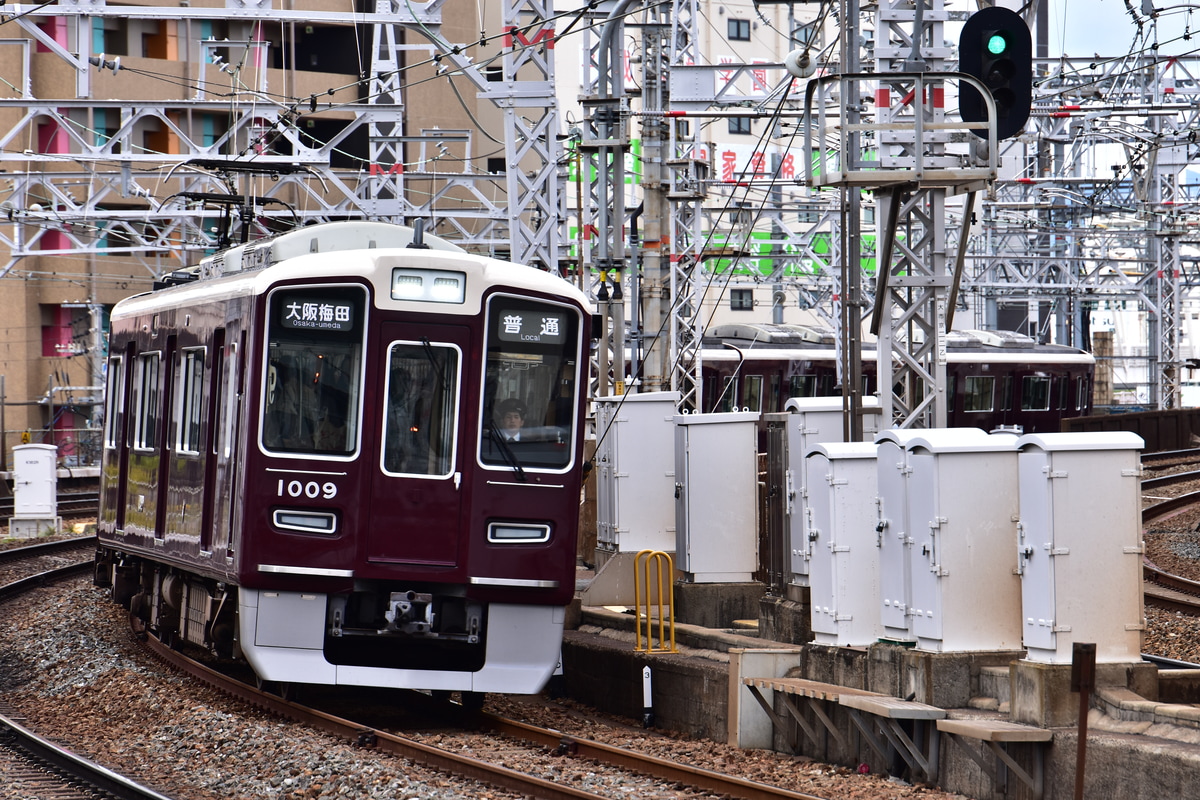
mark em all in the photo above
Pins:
pixel 304 464
pixel 993 377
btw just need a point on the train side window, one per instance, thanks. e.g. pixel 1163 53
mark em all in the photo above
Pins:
pixel 422 408
pixel 227 403
pixel 728 396
pixel 217 414
pixel 190 398
pixel 148 390
pixel 979 393
pixel 531 384
pixel 1035 393
pixel 1006 393
pixel 752 399
pixel 313 372
pixel 114 418
pixel 776 403
pixel 803 385
pixel 1080 386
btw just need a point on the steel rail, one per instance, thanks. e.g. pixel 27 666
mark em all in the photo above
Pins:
pixel 366 736
pixel 1167 480
pixel 73 766
pixel 68 503
pixel 1168 508
pixel 465 766
pixel 1162 589
pixel 1167 455
pixel 65 762
pixel 1170 592
pixel 640 762
pixel 18 587
pixel 46 548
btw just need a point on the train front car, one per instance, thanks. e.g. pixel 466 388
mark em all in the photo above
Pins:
pixel 406 497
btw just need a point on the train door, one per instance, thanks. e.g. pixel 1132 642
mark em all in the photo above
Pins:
pixel 116 443
pixel 166 447
pixel 216 367
pixel 142 473
pixel 419 479
pixel 228 449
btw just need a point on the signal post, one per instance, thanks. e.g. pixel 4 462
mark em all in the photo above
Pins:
pixel 915 163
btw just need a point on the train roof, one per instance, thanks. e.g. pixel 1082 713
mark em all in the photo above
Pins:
pixel 365 250
pixel 324 238
pixel 765 341
pixel 775 334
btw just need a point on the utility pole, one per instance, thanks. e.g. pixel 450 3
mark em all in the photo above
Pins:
pixel 654 285
pixel 850 302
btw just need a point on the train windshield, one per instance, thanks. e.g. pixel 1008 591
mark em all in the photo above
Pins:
pixel 530 384
pixel 422 408
pixel 313 370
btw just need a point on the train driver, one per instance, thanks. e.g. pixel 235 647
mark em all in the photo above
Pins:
pixel 510 418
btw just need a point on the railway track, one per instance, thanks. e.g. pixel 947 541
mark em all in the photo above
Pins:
pixel 1162 589
pixel 34 766
pixel 70 504
pixel 74 777
pixel 481 769
pixel 34 560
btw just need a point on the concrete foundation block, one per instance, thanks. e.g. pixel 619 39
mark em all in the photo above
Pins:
pixel 785 620
pixel 33 527
pixel 1042 696
pixel 1179 685
pixel 717 605
pixel 689 694
pixel 949 680
pixel 841 666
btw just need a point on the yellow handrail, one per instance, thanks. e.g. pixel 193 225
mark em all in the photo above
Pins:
pixel 666 621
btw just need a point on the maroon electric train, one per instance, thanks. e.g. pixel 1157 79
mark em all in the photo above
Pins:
pixel 993 378
pixel 307 460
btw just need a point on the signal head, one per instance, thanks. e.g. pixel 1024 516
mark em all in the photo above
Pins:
pixel 995 47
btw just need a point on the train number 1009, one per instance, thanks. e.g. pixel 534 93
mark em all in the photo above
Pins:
pixel 312 489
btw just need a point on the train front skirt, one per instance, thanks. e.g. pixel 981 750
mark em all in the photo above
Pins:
pixel 522 647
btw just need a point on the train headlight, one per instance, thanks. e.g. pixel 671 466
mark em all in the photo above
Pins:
pixel 509 533
pixel 305 521
pixel 429 285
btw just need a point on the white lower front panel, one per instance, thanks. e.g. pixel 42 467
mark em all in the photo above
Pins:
pixel 281 635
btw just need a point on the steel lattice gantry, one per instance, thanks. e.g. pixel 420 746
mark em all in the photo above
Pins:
pixel 655 282
pixel 902 156
pixel 105 193
pixel 1094 210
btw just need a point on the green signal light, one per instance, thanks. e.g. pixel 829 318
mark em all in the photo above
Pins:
pixel 996 44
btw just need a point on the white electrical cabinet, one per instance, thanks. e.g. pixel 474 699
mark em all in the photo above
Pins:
pixel 892 529
pixel 35 491
pixel 963 510
pixel 635 460
pixel 716 490
pixel 814 420
pixel 1079 549
pixel 844 580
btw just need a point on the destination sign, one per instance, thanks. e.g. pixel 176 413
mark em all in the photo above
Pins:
pixel 304 313
pixel 525 325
